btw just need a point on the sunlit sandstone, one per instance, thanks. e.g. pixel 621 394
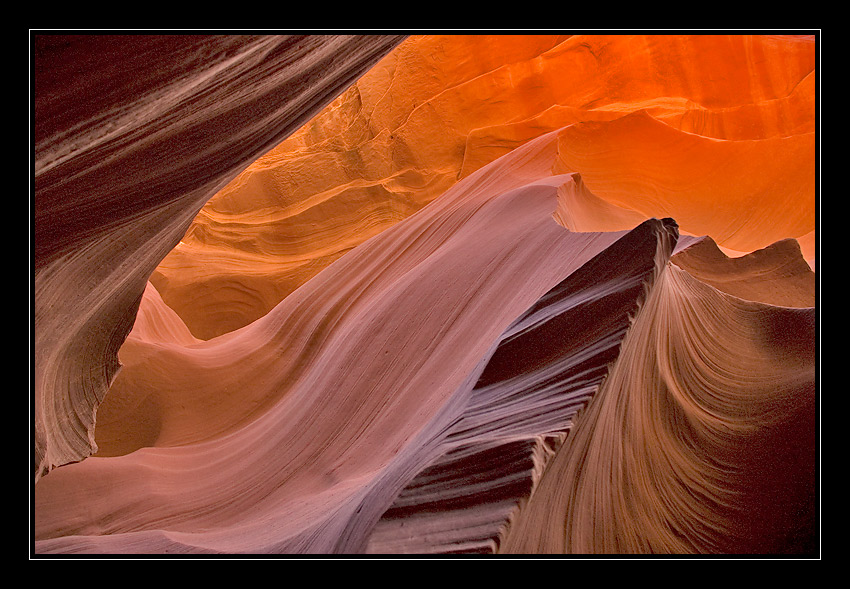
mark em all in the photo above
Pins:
pixel 667 125
pixel 546 348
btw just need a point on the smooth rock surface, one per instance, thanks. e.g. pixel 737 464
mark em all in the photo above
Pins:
pixel 667 125
pixel 133 134
pixel 527 294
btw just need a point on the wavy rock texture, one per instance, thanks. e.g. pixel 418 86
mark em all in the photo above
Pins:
pixel 700 441
pixel 440 107
pixel 545 346
pixel 133 134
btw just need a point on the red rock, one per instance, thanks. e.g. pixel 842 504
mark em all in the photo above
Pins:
pixel 535 341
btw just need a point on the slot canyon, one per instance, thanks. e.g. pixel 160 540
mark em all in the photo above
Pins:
pixel 433 295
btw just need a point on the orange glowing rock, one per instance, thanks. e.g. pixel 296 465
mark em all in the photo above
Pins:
pixel 729 118
pixel 507 294
pixel 744 194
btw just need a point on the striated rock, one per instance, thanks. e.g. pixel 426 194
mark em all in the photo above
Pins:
pixel 596 336
pixel 708 111
pixel 133 134
pixel 425 381
pixel 776 275
pixel 701 440
pixel 546 366
pixel 412 311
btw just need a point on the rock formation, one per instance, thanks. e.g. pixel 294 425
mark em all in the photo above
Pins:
pixel 440 107
pixel 505 294
pixel 132 135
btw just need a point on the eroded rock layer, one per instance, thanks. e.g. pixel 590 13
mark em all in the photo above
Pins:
pixel 133 134
pixel 545 368
pixel 702 439
pixel 282 436
pixel 716 131
pixel 587 326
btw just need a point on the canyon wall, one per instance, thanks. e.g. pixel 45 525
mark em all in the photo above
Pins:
pixel 501 294
pixel 132 135
pixel 717 121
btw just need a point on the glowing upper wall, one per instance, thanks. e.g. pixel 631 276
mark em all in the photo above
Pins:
pixel 665 125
